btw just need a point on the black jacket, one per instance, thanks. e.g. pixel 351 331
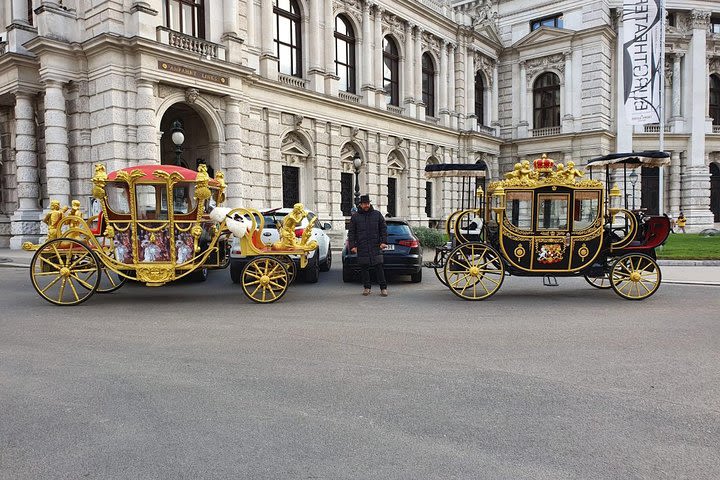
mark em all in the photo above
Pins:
pixel 366 232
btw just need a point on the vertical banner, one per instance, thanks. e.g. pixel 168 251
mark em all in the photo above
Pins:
pixel 642 60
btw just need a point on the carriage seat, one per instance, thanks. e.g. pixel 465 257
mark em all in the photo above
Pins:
pixel 655 232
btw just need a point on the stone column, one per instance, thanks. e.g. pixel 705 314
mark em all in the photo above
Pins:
pixel 420 113
pixel 409 85
pixel 451 85
pixel 251 24
pixel 676 120
pixel 696 177
pixel 147 132
pixel 674 190
pixel 494 100
pixel 331 79
pixel 234 174
pixel 523 102
pixel 56 143
pixel 230 19
pixel 268 60
pixel 367 52
pixel 567 121
pixel 460 86
pixel 19 12
pixel 380 100
pixel 315 62
pixel 472 122
pixel 442 84
pixel 25 222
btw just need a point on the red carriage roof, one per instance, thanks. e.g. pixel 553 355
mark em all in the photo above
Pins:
pixel 149 170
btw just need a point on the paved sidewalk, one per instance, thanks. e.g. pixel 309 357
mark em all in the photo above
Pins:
pixel 701 272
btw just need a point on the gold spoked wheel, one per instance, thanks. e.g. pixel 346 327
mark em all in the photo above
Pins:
pixel 290 267
pixel 439 264
pixel 109 280
pixel 603 282
pixel 474 271
pixel 635 276
pixel 65 271
pixel 264 279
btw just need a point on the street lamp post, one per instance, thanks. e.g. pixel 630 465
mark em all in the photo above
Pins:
pixel 178 137
pixel 633 177
pixel 357 163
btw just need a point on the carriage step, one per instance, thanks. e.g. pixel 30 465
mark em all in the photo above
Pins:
pixel 550 281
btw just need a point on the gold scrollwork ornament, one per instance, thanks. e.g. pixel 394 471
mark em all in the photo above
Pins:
pixel 584 251
pixel 519 252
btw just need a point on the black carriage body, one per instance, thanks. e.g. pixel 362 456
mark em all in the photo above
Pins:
pixel 551 229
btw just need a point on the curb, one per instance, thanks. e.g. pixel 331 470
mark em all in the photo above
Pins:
pixel 689 263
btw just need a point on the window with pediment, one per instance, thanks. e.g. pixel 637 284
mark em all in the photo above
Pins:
pixel 345 66
pixel 186 16
pixel 546 101
pixel 480 98
pixel 552 21
pixel 287 38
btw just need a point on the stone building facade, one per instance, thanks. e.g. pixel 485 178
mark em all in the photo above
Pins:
pixel 282 95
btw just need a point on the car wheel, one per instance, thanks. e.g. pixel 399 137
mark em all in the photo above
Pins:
pixel 325 266
pixel 416 277
pixel 236 272
pixel 347 275
pixel 311 272
pixel 199 275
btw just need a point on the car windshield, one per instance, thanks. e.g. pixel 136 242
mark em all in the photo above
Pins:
pixel 398 229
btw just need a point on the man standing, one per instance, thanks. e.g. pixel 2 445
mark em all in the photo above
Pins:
pixel 367 237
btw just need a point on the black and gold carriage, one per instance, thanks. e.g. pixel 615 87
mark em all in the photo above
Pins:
pixel 158 224
pixel 551 220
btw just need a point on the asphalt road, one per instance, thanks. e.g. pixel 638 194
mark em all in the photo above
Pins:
pixel 194 381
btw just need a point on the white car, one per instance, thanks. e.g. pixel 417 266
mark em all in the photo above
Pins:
pixel 319 260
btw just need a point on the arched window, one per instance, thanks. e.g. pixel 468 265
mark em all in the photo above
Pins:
pixel 186 16
pixel 391 76
pixel 345 54
pixel 287 37
pixel 546 101
pixel 715 98
pixel 480 98
pixel 428 84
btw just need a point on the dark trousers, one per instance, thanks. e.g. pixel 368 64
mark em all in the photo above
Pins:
pixel 379 275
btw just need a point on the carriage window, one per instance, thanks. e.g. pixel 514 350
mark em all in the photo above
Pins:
pixel 552 212
pixel 183 198
pixel 519 209
pixel 586 209
pixel 117 198
pixel 147 202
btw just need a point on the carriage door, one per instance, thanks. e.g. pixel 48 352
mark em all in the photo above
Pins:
pixel 290 186
pixel 649 190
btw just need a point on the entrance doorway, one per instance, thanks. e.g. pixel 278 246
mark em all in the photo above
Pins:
pixel 290 186
pixel 649 190
pixel 715 191
pixel 194 147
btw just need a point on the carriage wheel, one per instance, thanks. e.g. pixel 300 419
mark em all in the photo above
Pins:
pixel 474 271
pixel 439 264
pixel 635 276
pixel 109 280
pixel 290 267
pixel 602 282
pixel 65 271
pixel 264 279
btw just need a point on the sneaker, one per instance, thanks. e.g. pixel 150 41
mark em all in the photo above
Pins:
pixel 383 292
pixel 366 292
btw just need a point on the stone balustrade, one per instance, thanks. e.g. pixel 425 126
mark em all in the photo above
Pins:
pixel 349 97
pixel 292 80
pixel 486 130
pixel 716 129
pixel 655 128
pixel 191 44
pixel 545 132
pixel 394 109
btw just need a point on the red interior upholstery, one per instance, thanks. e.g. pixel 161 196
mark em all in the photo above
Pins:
pixel 657 230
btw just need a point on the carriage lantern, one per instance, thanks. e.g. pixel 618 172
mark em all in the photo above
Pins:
pixel 615 200
pixel 498 199
pixel 479 193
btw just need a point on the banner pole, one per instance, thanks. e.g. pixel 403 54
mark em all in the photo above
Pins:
pixel 661 170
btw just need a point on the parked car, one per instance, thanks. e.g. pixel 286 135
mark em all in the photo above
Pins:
pixel 403 255
pixel 319 260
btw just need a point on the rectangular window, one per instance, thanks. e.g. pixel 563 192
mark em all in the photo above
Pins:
pixel 428 199
pixel 392 197
pixel 554 21
pixel 346 193
pixel 587 209
pixel 715 25
pixel 552 211
pixel 147 200
pixel 186 16
pixel 519 205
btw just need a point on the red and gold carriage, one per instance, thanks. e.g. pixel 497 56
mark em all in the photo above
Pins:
pixel 547 219
pixel 158 224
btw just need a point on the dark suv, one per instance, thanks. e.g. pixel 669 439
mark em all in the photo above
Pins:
pixel 403 255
